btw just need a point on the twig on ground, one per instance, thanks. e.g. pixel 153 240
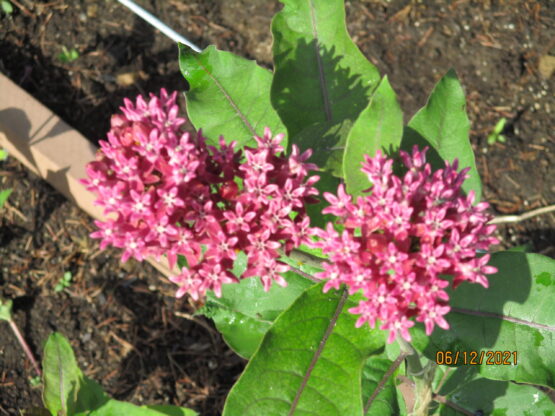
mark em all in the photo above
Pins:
pixel 518 218
pixel 198 321
pixel 23 9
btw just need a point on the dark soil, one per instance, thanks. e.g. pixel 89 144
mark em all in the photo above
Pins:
pixel 127 329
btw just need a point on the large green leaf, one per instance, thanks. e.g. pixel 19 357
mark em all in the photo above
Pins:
pixel 388 402
pixel 465 390
pixel 443 125
pixel 62 377
pixel 228 95
pixel 516 314
pixel 67 392
pixel 309 362
pixel 245 311
pixel 321 78
pixel 378 127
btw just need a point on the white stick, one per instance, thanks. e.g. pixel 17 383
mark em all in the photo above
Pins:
pixel 158 24
pixel 517 218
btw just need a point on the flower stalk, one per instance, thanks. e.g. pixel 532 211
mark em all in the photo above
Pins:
pixel 422 376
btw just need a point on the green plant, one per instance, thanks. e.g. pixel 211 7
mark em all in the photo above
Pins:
pixel 4 194
pixel 67 392
pixel 35 381
pixel 67 56
pixel 401 258
pixel 64 282
pixel 495 136
pixel 6 6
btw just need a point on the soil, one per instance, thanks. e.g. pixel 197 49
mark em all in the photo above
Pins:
pixel 127 329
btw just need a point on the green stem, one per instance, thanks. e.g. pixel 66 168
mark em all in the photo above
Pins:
pixel 305 275
pixel 422 376
pixel 306 258
pixel 414 366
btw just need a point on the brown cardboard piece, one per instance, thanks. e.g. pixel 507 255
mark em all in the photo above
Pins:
pixel 50 148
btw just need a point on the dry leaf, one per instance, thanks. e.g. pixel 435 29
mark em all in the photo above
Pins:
pixel 546 66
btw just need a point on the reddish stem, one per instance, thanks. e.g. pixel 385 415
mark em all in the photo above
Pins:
pixel 25 346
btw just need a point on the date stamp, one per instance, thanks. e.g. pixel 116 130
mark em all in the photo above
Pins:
pixel 476 357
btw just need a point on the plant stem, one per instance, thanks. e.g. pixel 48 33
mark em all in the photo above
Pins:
pixel 307 258
pixel 304 274
pixel 443 400
pixel 384 379
pixel 25 346
pixel 304 258
pixel 422 376
pixel 414 366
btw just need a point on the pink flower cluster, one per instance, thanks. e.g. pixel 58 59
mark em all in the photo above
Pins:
pixel 168 192
pixel 400 239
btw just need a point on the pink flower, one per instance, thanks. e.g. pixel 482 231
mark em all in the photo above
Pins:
pixel 175 195
pixel 339 204
pixel 401 238
pixel 189 281
pixel 107 231
pixel 239 220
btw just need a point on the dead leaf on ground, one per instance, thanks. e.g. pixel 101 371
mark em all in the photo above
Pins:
pixel 127 79
pixel 546 66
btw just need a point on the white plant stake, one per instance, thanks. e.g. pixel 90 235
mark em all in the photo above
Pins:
pixel 158 24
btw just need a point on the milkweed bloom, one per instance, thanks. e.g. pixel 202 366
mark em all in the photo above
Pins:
pixel 400 240
pixel 167 192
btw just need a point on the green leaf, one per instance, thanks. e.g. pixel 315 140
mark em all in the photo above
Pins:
pixel 467 390
pixel 378 127
pixel 3 155
pixel 443 125
pixel 6 6
pixel 327 183
pixel 245 311
pixel 305 259
pixel 321 79
pixel 62 377
pixel 6 309
pixel 35 411
pixel 68 393
pixel 172 410
pixel 516 314
pixel 4 195
pixel 388 402
pixel 117 408
pixel 309 362
pixel 91 395
pixel 229 96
